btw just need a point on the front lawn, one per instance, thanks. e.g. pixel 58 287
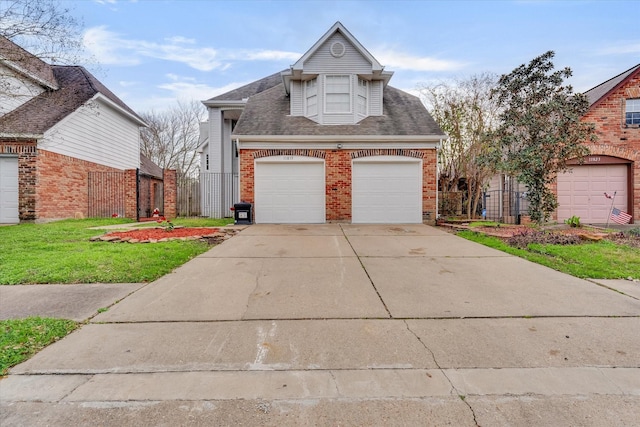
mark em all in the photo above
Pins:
pixel 22 338
pixel 596 260
pixel 60 252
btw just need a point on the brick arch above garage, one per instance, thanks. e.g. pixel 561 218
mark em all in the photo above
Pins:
pixel 320 154
pixel 621 152
pixel 388 152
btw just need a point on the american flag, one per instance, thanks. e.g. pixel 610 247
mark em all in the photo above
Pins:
pixel 620 217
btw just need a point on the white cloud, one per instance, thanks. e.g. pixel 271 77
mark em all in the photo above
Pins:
pixel 124 83
pixel 404 61
pixel 188 88
pixel 269 55
pixel 112 48
pixel 621 48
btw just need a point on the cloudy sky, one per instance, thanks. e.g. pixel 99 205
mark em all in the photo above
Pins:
pixel 152 53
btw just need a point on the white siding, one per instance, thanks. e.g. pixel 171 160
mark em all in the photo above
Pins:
pixel 297 97
pixel 14 90
pixel 96 133
pixel 323 62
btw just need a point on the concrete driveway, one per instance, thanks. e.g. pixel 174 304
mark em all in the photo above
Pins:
pixel 344 325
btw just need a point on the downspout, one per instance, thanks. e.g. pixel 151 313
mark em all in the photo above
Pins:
pixel 237 147
pixel 436 177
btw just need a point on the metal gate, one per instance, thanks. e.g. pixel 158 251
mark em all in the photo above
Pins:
pixel 150 195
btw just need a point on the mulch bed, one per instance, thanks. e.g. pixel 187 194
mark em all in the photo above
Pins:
pixel 585 233
pixel 160 234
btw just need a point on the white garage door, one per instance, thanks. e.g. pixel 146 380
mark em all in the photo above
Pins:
pixel 581 192
pixel 289 189
pixel 9 190
pixel 387 189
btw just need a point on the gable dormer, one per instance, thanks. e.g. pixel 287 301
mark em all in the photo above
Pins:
pixel 337 81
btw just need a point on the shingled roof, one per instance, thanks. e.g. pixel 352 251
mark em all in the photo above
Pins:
pixel 147 167
pixel 597 93
pixel 267 113
pixel 26 63
pixel 76 86
pixel 244 92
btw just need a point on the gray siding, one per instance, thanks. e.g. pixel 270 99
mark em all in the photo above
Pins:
pixel 297 99
pixel 375 98
pixel 323 62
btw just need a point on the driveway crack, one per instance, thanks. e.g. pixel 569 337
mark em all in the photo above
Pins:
pixel 433 357
pixel 367 273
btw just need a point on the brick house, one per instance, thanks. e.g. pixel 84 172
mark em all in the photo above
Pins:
pixel 58 124
pixel 325 140
pixel 614 161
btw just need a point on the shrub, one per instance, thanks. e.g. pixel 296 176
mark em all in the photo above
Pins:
pixel 574 221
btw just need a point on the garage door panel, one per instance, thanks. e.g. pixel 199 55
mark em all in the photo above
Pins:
pixel 9 190
pixel 289 191
pixel 387 189
pixel 581 192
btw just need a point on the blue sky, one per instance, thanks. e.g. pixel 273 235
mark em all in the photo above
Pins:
pixel 152 53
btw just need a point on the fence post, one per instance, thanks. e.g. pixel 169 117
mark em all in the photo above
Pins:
pixel 170 182
pixel 131 193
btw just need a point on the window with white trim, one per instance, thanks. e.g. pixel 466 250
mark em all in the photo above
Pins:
pixel 363 90
pixel 632 112
pixel 337 94
pixel 311 97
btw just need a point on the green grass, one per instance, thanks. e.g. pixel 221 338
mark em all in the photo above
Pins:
pixel 21 338
pixel 596 260
pixel 60 252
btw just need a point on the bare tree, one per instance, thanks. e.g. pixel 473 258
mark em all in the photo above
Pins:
pixel 465 110
pixel 45 28
pixel 171 140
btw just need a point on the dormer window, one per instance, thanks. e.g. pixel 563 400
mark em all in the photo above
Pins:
pixel 337 94
pixel 363 92
pixel 311 93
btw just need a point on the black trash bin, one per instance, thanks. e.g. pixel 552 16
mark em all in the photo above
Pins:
pixel 242 213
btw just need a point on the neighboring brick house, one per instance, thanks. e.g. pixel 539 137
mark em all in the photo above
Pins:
pixel 57 124
pixel 326 140
pixel 614 161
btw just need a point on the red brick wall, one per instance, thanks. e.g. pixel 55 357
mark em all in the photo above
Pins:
pixel 614 138
pixel 170 193
pixel 338 177
pixel 62 188
pixel 26 152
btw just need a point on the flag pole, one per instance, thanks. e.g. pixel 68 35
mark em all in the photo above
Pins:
pixel 613 200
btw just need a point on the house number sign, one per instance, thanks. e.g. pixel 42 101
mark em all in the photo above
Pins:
pixel 287 157
pixel 593 159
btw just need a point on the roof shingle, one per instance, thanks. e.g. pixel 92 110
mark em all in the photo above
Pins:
pixel 598 92
pixel 267 113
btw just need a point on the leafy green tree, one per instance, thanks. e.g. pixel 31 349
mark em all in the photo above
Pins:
pixel 540 129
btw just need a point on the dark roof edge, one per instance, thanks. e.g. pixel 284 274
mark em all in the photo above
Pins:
pixel 630 73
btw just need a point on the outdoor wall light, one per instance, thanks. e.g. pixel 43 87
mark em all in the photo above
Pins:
pixel 339 146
